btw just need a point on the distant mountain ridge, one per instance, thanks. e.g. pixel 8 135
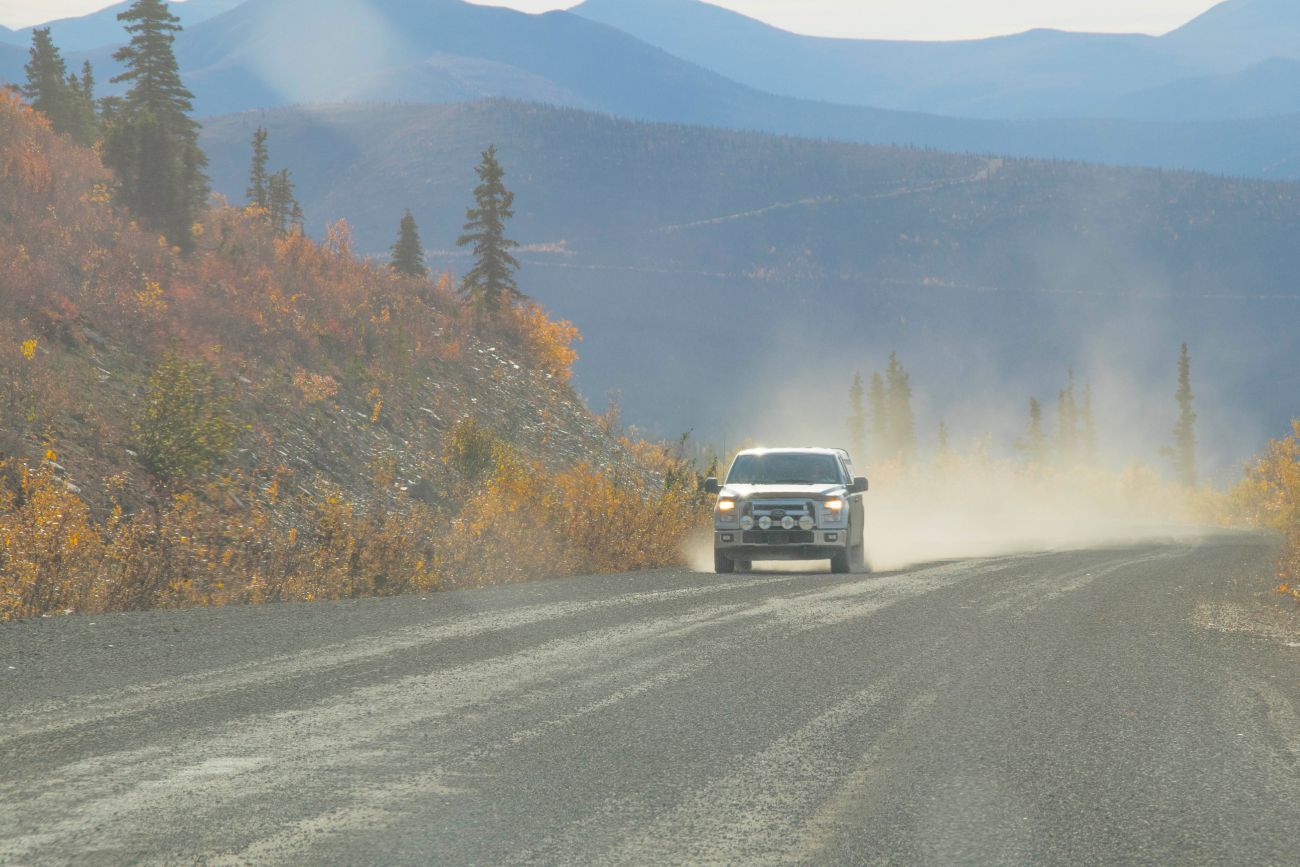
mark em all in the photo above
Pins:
pixel 437 51
pixel 1036 74
pixel 101 28
pixel 1223 65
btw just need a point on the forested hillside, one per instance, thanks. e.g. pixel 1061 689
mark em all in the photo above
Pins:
pixel 269 417
pixel 708 235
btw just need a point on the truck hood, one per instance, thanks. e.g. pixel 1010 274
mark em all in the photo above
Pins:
pixel 777 492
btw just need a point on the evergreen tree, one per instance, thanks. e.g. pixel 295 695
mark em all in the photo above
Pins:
pixel 879 417
pixel 86 130
pixel 1184 448
pixel 1067 423
pixel 1089 427
pixel 490 284
pixel 408 253
pixel 259 186
pixel 1034 444
pixel 88 81
pixel 55 93
pixel 281 204
pixel 857 418
pixel 153 145
pixel 902 425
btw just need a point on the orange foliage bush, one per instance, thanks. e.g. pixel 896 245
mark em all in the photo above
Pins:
pixel 548 342
pixel 292 326
pixel 1269 496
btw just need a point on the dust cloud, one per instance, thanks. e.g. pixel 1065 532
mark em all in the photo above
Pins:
pixel 965 508
pixel 982 495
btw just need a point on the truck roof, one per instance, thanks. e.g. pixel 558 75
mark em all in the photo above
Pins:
pixel 798 450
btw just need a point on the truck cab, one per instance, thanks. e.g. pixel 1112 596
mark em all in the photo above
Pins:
pixel 789 504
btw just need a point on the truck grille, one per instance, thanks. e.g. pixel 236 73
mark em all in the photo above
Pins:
pixel 778 509
pixel 778 537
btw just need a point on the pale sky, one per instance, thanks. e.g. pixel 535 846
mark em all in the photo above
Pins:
pixel 884 19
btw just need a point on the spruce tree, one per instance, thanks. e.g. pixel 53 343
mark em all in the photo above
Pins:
pixel 902 424
pixel 1184 448
pixel 408 252
pixel 153 144
pixel 879 417
pixel 281 204
pixel 55 93
pixel 1067 423
pixel 1088 427
pixel 85 119
pixel 259 189
pixel 857 418
pixel 1034 444
pixel 490 284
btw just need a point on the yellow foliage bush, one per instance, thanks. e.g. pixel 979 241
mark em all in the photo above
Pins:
pixel 548 342
pixel 246 539
pixel 1269 496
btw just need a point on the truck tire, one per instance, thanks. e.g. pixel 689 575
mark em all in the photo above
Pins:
pixel 858 557
pixel 721 564
pixel 744 565
pixel 840 562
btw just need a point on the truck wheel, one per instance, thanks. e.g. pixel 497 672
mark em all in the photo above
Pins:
pixel 721 564
pixel 840 562
pixel 858 557
pixel 744 565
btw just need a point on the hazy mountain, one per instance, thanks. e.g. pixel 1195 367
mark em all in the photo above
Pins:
pixel 1265 89
pixel 1039 73
pixel 12 60
pixel 102 28
pixel 763 256
pixel 447 50
pixel 1239 33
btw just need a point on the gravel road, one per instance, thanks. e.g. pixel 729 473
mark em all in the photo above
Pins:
pixel 1044 708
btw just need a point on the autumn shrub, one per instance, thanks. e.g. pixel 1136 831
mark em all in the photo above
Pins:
pixel 1269 496
pixel 184 426
pixel 547 342
pixel 50 548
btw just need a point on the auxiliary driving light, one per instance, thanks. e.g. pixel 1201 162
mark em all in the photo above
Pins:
pixel 747 522
pixel 806 522
pixel 787 523
pixel 765 522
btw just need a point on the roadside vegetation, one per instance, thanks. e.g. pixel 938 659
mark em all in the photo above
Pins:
pixel 201 405
pixel 1052 486
pixel 1269 496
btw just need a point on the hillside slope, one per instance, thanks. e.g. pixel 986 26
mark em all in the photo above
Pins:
pixel 339 372
pixel 663 242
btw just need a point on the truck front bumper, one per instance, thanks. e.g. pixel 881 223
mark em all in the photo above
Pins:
pixel 749 545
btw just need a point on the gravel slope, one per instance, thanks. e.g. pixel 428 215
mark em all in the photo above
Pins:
pixel 1050 708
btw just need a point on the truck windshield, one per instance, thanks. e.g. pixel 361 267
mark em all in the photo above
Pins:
pixel 785 468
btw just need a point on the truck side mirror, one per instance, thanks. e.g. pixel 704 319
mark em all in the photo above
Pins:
pixel 711 486
pixel 860 485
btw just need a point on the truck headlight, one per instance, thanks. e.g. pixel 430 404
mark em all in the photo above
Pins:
pixel 726 506
pixel 834 509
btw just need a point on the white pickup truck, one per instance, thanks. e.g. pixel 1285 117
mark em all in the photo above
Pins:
pixel 789 504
